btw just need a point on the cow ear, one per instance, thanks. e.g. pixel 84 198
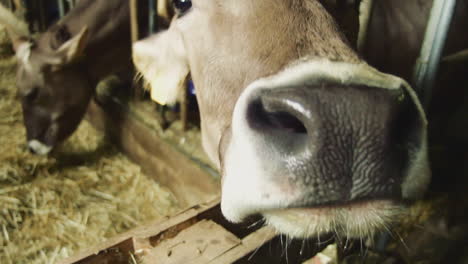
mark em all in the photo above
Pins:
pixel 162 61
pixel 18 41
pixel 73 48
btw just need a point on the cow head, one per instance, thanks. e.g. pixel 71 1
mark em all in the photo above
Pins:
pixel 53 86
pixel 304 132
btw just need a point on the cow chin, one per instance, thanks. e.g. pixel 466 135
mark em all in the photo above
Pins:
pixel 358 220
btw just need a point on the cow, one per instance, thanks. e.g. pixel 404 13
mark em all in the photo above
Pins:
pixel 59 70
pixel 304 132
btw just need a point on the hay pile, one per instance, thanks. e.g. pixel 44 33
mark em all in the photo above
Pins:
pixel 50 208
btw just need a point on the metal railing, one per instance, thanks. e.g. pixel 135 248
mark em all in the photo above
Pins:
pixel 427 65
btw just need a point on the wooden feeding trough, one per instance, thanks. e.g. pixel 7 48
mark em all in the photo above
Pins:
pixel 198 234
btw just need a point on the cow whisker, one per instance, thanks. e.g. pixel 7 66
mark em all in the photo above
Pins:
pixel 261 221
pixel 402 241
pixel 302 246
pixel 364 256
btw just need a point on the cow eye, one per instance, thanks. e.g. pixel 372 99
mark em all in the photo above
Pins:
pixel 182 6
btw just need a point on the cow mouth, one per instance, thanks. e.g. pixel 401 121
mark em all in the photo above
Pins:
pixel 353 220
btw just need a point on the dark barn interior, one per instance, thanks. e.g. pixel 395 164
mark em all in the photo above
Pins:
pixel 133 184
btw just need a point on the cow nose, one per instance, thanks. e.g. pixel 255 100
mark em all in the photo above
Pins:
pixel 299 112
pixel 37 147
pixel 282 117
pixel 343 138
pixel 282 111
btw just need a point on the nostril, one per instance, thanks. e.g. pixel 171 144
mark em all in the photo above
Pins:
pixel 261 117
pixel 285 121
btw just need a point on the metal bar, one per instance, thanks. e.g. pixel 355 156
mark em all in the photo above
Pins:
pixel 365 13
pixel 19 7
pixel 456 57
pixel 71 4
pixel 134 19
pixel 435 37
pixel 138 90
pixel 184 106
pixel 61 8
pixel 42 15
pixel 151 16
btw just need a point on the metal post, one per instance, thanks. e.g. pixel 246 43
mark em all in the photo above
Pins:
pixel 19 7
pixel 138 90
pixel 456 57
pixel 61 8
pixel 435 37
pixel 42 15
pixel 134 19
pixel 71 4
pixel 151 16
pixel 184 106
pixel 365 13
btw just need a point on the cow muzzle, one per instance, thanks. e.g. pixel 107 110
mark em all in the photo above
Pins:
pixel 39 148
pixel 324 137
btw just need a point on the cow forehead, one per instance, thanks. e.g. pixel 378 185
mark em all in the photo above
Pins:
pixel 29 79
pixel 277 25
pixel 31 73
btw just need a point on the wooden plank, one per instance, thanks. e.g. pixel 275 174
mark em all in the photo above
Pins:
pixel 197 244
pixel 248 245
pixel 139 238
pixel 116 254
pixel 190 237
pixel 190 183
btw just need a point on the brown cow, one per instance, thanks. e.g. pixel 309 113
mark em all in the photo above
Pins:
pixel 304 132
pixel 58 71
